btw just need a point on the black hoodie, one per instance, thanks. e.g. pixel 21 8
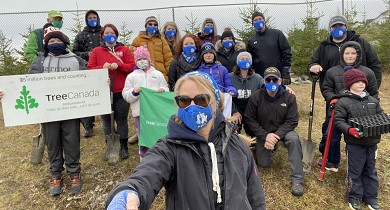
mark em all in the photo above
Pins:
pixel 181 162
pixel 87 39
pixel 334 84
pixel 327 55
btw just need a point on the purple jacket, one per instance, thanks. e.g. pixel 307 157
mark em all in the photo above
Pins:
pixel 220 75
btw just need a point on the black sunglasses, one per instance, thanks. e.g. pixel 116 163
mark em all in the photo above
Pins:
pixel 273 80
pixel 200 100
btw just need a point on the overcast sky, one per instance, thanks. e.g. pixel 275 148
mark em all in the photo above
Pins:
pixel 284 17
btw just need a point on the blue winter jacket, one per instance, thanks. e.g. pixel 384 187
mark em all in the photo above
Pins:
pixel 220 75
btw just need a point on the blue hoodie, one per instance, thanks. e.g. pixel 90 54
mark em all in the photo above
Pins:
pixel 221 75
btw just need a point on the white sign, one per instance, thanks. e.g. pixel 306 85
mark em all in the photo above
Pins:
pixel 48 97
pixel 227 110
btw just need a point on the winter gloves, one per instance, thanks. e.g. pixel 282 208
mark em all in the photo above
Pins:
pixel 286 75
pixel 355 132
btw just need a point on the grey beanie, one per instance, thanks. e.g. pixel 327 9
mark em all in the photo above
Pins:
pixel 244 54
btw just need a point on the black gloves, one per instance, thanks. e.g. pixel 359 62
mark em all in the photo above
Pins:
pixel 286 75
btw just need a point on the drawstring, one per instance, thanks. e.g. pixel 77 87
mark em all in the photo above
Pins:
pixel 215 175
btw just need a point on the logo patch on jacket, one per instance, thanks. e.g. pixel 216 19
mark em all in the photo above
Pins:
pixel 119 54
pixel 283 104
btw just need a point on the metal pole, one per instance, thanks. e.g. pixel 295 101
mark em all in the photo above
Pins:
pixel 342 7
pixel 173 14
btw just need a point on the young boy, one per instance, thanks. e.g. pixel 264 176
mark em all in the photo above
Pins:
pixel 362 177
pixel 350 57
pixel 62 137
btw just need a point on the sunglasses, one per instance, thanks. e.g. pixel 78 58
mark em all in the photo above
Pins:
pixel 273 80
pixel 152 24
pixel 200 100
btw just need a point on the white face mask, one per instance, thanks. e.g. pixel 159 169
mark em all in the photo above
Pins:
pixel 142 64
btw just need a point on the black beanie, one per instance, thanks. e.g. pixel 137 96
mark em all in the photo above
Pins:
pixel 208 47
pixel 228 34
pixel 255 14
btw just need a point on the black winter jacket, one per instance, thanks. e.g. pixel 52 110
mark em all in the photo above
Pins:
pixel 181 163
pixel 350 106
pixel 87 39
pixel 179 67
pixel 334 84
pixel 269 49
pixel 265 114
pixel 229 60
pixel 327 55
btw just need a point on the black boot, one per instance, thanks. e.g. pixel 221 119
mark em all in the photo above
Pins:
pixel 124 153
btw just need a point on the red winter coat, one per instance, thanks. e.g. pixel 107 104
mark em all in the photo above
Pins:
pixel 101 55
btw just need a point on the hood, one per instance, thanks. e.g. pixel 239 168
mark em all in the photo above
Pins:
pixel 180 132
pixel 204 23
pixel 347 93
pixel 86 21
pixel 358 48
pixel 238 46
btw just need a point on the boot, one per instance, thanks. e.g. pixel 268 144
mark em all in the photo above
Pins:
pixel 124 149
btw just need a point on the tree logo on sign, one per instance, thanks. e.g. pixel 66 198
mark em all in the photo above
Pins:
pixel 25 101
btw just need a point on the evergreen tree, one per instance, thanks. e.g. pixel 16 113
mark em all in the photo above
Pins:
pixel 381 38
pixel 9 64
pixel 194 25
pixel 305 41
pixel 125 34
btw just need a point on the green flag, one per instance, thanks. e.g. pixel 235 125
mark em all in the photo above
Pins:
pixel 155 111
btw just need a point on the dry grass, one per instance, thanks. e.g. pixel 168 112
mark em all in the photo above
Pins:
pixel 25 186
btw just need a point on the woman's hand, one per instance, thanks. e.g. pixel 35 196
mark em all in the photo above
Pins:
pixel 231 93
pixel 114 66
pixel 291 91
pixel 236 118
pixel 1 94
pixel 160 90
pixel 132 201
pixel 106 65
pixel 137 90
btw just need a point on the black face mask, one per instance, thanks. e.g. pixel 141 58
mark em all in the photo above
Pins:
pixel 57 48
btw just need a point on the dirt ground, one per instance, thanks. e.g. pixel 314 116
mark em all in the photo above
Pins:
pixel 25 186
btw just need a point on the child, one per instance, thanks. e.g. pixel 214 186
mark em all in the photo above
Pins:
pixel 62 137
pixel 144 76
pixel 361 151
pixel 219 73
pixel 350 57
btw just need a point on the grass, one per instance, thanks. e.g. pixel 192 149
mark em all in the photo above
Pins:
pixel 25 186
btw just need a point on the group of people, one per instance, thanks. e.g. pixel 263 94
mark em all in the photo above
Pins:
pixel 202 162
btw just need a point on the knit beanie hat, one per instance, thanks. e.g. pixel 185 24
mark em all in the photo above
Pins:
pixel 51 32
pixel 150 19
pixel 255 14
pixel 142 53
pixel 208 47
pixel 244 54
pixel 228 34
pixel 352 76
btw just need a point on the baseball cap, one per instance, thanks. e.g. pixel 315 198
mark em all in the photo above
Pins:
pixel 338 19
pixel 54 13
pixel 272 72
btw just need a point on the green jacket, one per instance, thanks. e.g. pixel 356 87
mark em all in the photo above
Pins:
pixel 33 45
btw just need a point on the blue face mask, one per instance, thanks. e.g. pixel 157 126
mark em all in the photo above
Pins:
pixel 244 64
pixel 151 30
pixel 338 32
pixel 93 23
pixel 57 48
pixel 228 44
pixel 195 117
pixel 109 38
pixel 272 86
pixel 259 24
pixel 189 50
pixel 170 33
pixel 208 30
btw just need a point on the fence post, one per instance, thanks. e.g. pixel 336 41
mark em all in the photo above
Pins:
pixel 173 14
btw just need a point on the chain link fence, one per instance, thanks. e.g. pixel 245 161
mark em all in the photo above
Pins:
pixel 283 16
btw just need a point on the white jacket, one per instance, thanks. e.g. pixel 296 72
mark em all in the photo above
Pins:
pixel 151 79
